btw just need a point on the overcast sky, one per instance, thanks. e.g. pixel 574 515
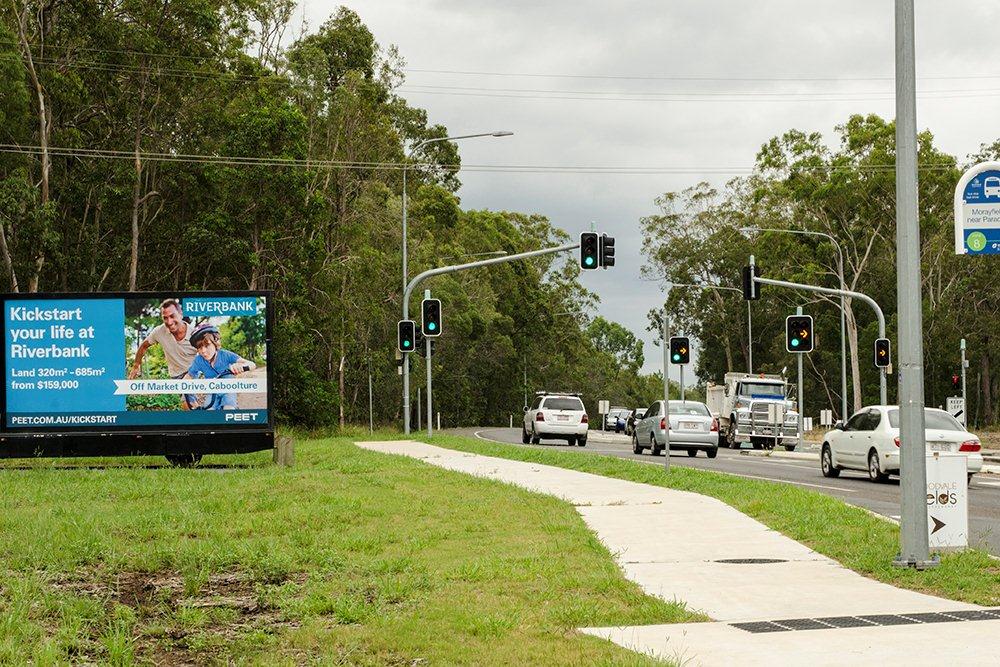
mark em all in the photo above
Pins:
pixel 764 66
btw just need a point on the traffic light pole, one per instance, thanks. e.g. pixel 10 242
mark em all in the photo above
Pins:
pixel 883 400
pixel 681 368
pixel 430 402
pixel 666 383
pixel 420 277
pixel 798 311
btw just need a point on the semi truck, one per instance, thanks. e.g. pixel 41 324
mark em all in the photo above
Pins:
pixel 754 408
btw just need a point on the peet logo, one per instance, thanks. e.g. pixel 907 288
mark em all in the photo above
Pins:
pixel 220 306
pixel 241 417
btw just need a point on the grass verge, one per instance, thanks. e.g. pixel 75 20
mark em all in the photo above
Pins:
pixel 849 535
pixel 350 557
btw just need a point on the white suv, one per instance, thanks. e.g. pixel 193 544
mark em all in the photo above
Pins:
pixel 555 417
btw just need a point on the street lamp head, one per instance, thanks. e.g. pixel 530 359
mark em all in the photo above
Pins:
pixel 502 133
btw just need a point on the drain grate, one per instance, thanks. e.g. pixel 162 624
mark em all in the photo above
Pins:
pixel 751 561
pixel 834 622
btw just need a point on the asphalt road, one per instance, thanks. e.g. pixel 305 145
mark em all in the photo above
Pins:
pixel 852 487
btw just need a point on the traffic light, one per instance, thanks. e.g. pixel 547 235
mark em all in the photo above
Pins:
pixel 751 290
pixel 956 381
pixel 883 355
pixel 430 310
pixel 607 252
pixel 680 350
pixel 407 336
pixel 799 333
pixel 590 257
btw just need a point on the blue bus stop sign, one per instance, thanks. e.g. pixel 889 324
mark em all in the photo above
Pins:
pixel 977 211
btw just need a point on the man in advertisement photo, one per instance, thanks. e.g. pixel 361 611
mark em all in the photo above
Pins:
pixel 174 336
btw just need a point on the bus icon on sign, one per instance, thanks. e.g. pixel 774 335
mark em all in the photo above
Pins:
pixel 991 186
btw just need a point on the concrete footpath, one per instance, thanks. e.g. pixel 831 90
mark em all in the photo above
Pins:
pixel 773 601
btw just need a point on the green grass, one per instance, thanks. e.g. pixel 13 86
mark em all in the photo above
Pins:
pixel 350 557
pixel 850 535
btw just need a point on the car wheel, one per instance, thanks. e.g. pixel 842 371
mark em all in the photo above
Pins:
pixel 713 452
pixel 789 448
pixel 692 453
pixel 826 463
pixel 534 437
pixel 653 447
pixel 636 447
pixel 581 442
pixel 525 438
pixel 571 442
pixel 731 434
pixel 875 473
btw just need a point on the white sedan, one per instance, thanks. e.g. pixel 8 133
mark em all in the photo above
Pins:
pixel 870 441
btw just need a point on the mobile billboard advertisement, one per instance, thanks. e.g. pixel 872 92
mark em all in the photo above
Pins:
pixel 136 362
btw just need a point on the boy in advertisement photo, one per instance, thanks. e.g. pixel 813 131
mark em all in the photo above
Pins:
pixel 212 361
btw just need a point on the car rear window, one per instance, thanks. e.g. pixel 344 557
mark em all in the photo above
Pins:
pixel 563 404
pixel 689 408
pixel 933 420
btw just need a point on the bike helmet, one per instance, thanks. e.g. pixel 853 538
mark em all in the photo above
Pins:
pixel 201 331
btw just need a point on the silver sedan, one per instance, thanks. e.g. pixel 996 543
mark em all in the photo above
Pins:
pixel 692 428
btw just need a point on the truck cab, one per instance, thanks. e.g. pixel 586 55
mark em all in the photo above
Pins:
pixel 754 408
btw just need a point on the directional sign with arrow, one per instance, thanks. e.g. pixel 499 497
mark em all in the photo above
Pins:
pixel 947 501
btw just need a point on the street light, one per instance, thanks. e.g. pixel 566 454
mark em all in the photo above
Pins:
pixel 843 317
pixel 749 319
pixel 410 154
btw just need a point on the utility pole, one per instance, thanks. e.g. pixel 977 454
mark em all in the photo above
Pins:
pixel 749 340
pixel 798 311
pixel 914 538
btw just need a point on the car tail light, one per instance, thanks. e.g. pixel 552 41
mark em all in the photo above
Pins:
pixel 540 417
pixel 896 440
pixel 583 419
pixel 970 446
pixel 715 425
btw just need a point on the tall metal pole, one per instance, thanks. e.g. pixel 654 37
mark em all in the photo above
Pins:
pixel 914 547
pixel 430 403
pixel 666 381
pixel 419 408
pixel 749 340
pixel 800 410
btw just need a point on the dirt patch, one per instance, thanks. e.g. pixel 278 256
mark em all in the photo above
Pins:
pixel 159 598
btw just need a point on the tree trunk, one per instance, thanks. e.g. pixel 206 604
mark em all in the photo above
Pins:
pixel 44 126
pixel 7 262
pixel 852 346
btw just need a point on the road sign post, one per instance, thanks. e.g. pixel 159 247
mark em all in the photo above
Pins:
pixel 977 210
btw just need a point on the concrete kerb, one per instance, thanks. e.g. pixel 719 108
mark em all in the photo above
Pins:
pixel 671 544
